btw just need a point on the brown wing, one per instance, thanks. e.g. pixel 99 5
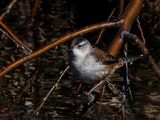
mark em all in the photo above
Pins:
pixel 99 54
pixel 104 57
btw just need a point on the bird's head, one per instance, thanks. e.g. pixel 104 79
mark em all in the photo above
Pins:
pixel 81 47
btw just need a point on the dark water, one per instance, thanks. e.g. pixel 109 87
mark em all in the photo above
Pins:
pixel 65 104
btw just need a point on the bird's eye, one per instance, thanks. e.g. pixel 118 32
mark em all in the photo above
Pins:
pixel 79 45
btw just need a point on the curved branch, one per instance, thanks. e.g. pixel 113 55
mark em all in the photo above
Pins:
pixel 141 45
pixel 59 41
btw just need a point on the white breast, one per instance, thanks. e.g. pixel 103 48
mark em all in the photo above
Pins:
pixel 89 67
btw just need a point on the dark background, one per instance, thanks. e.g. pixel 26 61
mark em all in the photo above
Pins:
pixel 24 88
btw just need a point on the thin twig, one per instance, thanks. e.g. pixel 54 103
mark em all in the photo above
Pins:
pixel 112 88
pixel 16 39
pixel 141 31
pixel 155 26
pixel 8 36
pixel 135 40
pixel 79 87
pixel 34 9
pixel 4 33
pixel 51 90
pixel 121 7
pixel 103 30
pixel 8 9
pixel 97 85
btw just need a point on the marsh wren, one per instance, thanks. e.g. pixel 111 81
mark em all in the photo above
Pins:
pixel 92 64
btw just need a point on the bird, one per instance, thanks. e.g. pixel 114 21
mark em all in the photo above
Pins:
pixel 92 64
pixel 94 67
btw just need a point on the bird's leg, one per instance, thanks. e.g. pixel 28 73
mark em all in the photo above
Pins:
pixel 126 84
pixel 97 85
pixel 101 97
pixel 79 87
pixel 121 96
pixel 112 87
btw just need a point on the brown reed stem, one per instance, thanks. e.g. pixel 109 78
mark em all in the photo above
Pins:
pixel 130 14
pixel 59 41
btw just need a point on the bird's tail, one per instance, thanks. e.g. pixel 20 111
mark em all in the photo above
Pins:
pixel 124 60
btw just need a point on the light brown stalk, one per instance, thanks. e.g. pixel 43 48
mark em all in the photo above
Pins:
pixel 130 14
